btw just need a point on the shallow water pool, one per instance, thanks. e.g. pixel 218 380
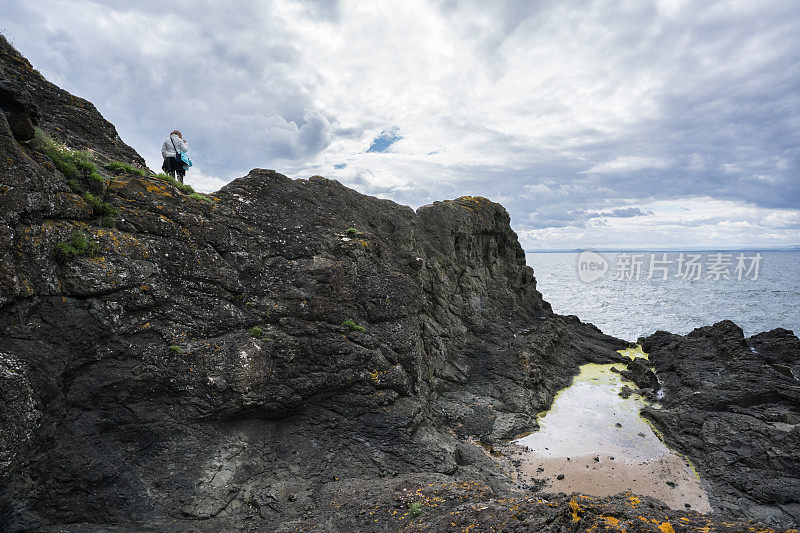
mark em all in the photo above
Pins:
pixel 598 444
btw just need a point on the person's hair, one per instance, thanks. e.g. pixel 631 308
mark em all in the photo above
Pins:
pixel 176 132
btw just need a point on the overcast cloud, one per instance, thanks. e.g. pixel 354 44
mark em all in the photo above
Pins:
pixel 596 123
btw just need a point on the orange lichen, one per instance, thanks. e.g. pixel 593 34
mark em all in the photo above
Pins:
pixel 612 522
pixel 574 507
pixel 665 527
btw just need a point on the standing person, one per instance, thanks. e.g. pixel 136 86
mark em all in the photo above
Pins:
pixel 170 151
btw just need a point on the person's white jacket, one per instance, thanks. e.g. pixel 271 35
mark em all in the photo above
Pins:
pixel 168 150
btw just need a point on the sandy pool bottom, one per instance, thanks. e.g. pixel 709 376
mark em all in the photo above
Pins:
pixel 595 442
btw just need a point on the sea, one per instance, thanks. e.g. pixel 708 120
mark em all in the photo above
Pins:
pixel 634 294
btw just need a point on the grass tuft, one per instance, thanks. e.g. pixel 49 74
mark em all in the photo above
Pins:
pixel 185 188
pixel 201 197
pixel 126 168
pixel 352 326
pixel 99 207
pixel 74 164
pixel 76 246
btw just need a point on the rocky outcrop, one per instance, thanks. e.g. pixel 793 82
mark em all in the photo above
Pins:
pixel 28 99
pixel 249 359
pixel 212 364
pixel 732 405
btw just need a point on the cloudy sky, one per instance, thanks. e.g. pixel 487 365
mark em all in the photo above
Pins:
pixel 607 123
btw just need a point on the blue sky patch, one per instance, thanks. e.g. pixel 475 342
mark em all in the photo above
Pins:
pixel 382 142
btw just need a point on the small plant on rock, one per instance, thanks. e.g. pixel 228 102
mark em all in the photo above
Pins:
pixel 257 332
pixel 183 187
pixel 352 326
pixel 198 196
pixel 72 163
pixel 351 232
pixel 176 349
pixel 77 245
pixel 126 168
pixel 414 509
pixel 99 207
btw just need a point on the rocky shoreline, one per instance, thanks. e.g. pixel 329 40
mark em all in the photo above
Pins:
pixel 291 355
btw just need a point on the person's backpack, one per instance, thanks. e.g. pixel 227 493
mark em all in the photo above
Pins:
pixel 181 157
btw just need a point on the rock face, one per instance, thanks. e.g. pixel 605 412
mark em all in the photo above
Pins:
pixel 732 405
pixel 249 361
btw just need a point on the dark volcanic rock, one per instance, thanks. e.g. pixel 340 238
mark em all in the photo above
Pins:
pixel 639 372
pixel 735 414
pixel 21 113
pixel 28 99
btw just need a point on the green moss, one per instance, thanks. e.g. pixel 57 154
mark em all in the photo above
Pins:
pixel 118 166
pixel 76 246
pixel 352 232
pixel 176 349
pixel 256 332
pixel 99 207
pixel 352 326
pixel 634 352
pixel 109 222
pixel 250 304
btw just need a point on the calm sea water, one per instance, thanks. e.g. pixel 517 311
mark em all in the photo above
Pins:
pixel 626 307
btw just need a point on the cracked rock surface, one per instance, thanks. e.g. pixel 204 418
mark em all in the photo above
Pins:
pixel 731 405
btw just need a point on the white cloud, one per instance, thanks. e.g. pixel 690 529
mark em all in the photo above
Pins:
pixel 625 164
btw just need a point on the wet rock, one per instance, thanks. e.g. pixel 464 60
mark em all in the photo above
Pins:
pixel 726 408
pixel 640 373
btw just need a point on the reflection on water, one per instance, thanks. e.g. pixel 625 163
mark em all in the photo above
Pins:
pixel 597 443
pixel 590 417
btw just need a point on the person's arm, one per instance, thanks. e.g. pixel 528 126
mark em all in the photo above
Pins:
pixel 164 150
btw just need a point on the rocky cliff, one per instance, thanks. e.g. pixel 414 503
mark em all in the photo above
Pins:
pixel 280 355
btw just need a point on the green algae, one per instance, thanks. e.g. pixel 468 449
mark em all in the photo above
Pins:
pixel 634 352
